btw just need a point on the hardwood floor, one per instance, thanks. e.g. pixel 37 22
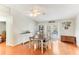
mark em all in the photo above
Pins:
pixel 58 48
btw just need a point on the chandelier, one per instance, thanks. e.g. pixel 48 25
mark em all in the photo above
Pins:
pixel 35 11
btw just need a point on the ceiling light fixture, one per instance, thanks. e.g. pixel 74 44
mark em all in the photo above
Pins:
pixel 35 11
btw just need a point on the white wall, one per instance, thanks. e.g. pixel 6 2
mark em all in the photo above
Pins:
pixel 71 30
pixel 9 31
pixel 6 17
pixel 21 23
pixel 4 11
pixel 77 30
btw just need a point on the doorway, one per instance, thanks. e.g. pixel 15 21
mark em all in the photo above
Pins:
pixel 2 31
pixel 52 31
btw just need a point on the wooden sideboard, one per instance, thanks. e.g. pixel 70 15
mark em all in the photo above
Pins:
pixel 69 39
pixel 3 36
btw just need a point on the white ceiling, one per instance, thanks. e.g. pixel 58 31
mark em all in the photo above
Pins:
pixel 52 11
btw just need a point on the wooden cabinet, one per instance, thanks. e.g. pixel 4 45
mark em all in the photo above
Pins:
pixel 70 39
pixel 3 36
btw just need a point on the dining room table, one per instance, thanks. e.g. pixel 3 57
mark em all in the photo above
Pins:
pixel 39 43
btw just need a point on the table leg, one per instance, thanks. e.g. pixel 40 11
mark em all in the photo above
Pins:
pixel 41 46
pixel 30 43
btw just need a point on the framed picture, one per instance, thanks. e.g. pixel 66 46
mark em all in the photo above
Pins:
pixel 66 25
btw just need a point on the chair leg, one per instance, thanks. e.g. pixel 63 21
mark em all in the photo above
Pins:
pixel 30 42
pixel 34 47
pixel 23 43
